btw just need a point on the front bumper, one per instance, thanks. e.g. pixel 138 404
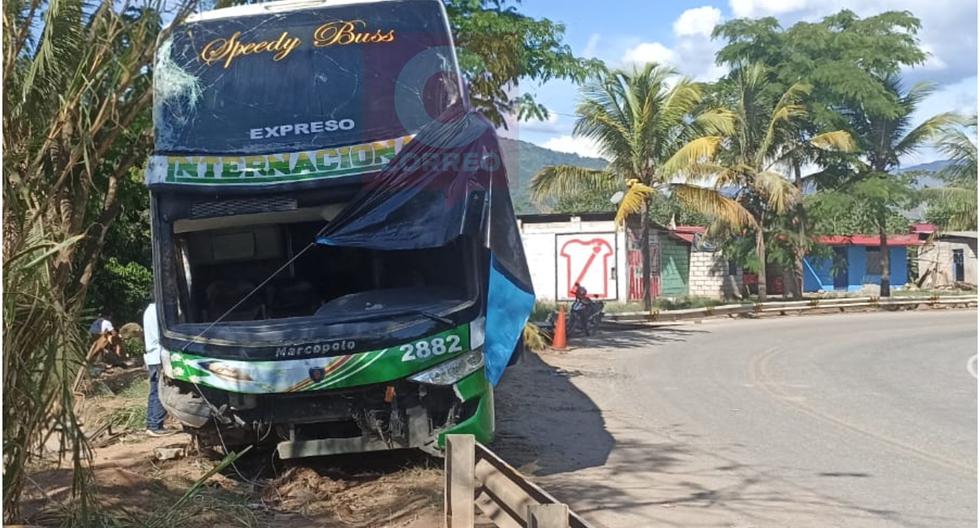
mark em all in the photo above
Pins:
pixel 393 415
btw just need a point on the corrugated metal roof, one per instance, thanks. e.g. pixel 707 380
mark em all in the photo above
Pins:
pixel 960 234
pixel 868 240
pixel 686 232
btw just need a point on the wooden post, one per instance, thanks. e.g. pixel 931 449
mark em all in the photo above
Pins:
pixel 547 516
pixel 460 481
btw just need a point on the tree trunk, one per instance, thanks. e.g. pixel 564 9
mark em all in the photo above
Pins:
pixel 799 248
pixel 885 263
pixel 645 254
pixel 760 252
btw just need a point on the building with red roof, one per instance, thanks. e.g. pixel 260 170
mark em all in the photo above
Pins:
pixel 857 262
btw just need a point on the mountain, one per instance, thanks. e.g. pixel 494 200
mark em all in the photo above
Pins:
pixel 523 160
pixel 926 177
pixel 932 166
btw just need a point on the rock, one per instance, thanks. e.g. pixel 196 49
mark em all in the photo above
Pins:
pixel 168 453
pixel 131 331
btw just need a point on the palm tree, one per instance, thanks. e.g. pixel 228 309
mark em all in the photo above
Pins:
pixel 955 205
pixel 882 141
pixel 640 119
pixel 744 165
pixel 77 102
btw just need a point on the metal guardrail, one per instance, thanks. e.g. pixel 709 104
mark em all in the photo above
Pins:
pixel 783 307
pixel 478 478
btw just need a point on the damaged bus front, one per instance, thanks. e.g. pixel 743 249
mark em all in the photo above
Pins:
pixel 337 265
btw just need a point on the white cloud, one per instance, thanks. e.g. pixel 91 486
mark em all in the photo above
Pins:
pixel 756 8
pixel 699 21
pixel 574 145
pixel 933 62
pixel 960 97
pixel 693 52
pixel 647 52
pixel 592 46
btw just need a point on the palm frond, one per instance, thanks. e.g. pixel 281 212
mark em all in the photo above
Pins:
pixel 779 192
pixel 838 140
pixel 716 122
pixel 787 110
pixel 919 136
pixel 915 95
pixel 958 143
pixel 566 180
pixel 793 96
pixel 636 196
pixel 713 204
pixel 692 156
pixel 679 102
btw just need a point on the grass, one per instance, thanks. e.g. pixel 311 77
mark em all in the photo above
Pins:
pixel 542 309
pixel 930 293
pixel 128 406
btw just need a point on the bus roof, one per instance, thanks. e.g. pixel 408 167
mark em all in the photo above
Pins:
pixel 283 6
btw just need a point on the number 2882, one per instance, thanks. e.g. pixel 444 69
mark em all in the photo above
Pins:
pixel 427 348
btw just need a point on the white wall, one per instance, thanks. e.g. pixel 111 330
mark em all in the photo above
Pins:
pixel 540 248
pixel 937 257
pixel 708 276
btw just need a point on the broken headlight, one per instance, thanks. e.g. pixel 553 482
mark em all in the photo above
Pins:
pixel 451 371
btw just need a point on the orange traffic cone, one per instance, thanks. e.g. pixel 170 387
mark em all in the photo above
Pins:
pixel 558 341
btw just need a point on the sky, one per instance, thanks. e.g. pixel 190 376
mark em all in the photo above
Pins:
pixel 624 32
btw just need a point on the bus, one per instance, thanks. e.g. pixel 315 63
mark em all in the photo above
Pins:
pixel 337 265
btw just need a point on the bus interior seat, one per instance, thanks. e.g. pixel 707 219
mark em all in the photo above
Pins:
pixel 291 298
pixel 223 295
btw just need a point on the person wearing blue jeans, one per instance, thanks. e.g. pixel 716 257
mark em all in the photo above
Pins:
pixel 155 413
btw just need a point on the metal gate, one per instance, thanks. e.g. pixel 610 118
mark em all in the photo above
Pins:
pixel 634 263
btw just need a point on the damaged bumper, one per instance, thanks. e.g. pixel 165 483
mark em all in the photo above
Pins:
pixel 393 415
pixel 472 396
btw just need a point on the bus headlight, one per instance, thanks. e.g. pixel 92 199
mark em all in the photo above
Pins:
pixel 451 371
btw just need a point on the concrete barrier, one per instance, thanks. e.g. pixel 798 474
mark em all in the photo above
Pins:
pixel 784 307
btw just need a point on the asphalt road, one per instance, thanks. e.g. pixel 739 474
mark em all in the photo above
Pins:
pixel 838 420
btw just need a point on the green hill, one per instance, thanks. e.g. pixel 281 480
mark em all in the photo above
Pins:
pixel 523 160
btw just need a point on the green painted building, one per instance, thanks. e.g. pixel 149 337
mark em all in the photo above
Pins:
pixel 675 266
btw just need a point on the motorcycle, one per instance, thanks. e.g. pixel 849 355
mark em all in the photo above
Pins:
pixel 585 316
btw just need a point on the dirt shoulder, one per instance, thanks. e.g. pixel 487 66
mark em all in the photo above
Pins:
pixel 401 489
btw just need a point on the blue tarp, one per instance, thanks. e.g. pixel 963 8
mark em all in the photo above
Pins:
pixel 449 182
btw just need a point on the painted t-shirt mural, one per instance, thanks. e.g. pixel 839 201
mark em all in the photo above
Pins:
pixel 590 261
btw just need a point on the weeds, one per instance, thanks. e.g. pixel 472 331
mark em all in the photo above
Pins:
pixel 43 348
pixel 129 407
pixel 534 338
pixel 129 418
pixel 542 309
pixel 184 509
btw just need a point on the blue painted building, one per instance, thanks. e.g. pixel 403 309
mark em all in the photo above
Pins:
pixel 857 263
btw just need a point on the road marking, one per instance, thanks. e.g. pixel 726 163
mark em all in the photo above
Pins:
pixel 971 366
pixel 759 372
